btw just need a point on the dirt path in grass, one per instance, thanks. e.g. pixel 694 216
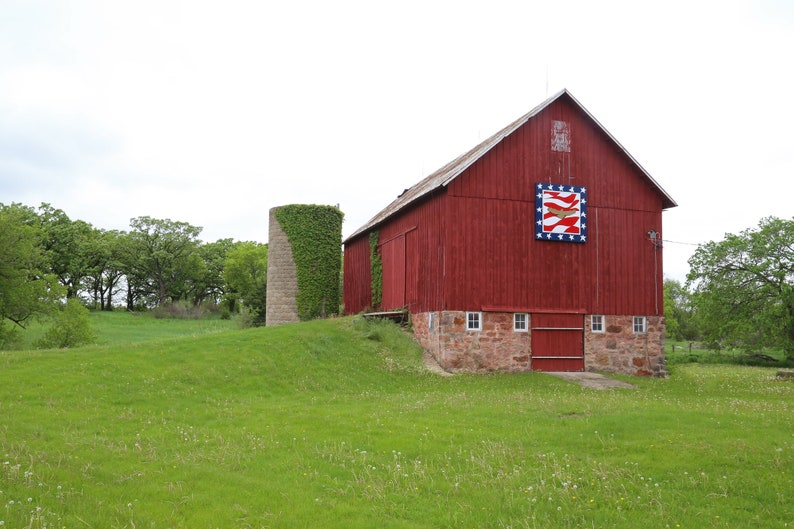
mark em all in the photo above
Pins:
pixel 584 379
pixel 591 380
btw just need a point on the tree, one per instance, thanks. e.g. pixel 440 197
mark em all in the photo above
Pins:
pixel 67 243
pixel 161 257
pixel 134 275
pixel 678 311
pixel 209 283
pixel 744 287
pixel 26 290
pixel 245 274
pixel 104 270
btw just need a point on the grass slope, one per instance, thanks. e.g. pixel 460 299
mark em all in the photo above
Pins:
pixel 336 424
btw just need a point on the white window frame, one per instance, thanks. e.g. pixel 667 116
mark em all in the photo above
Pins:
pixel 523 318
pixel 597 323
pixel 470 320
pixel 640 324
pixel 431 321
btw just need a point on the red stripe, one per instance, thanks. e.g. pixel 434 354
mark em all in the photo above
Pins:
pixel 568 222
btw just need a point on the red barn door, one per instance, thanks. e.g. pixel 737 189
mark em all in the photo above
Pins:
pixel 557 342
pixel 393 256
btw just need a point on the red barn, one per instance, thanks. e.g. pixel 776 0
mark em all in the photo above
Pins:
pixel 539 249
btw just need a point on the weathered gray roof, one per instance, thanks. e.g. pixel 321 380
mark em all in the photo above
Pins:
pixel 443 176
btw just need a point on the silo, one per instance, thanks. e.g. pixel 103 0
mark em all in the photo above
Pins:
pixel 304 263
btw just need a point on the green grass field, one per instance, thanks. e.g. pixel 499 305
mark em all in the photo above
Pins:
pixel 678 353
pixel 124 328
pixel 336 424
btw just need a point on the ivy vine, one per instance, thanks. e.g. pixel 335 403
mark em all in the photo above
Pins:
pixel 315 236
pixel 376 269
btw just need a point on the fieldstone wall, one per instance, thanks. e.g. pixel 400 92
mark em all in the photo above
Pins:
pixel 620 350
pixel 497 347
pixel 494 348
pixel 282 277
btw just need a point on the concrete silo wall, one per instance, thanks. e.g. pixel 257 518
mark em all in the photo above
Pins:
pixel 282 277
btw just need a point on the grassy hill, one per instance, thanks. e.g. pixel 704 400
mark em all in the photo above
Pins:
pixel 335 423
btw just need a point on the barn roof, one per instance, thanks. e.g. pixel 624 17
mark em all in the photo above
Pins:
pixel 443 176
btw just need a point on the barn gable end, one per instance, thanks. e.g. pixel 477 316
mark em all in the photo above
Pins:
pixel 464 244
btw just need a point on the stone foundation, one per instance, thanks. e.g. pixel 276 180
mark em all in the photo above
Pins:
pixel 494 348
pixel 497 347
pixel 620 350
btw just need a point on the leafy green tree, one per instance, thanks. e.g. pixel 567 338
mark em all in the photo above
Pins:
pixel 71 327
pixel 678 311
pixel 161 258
pixel 105 269
pixel 209 283
pixel 744 287
pixel 245 274
pixel 26 289
pixel 68 244
pixel 135 279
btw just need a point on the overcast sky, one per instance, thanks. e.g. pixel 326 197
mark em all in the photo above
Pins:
pixel 213 112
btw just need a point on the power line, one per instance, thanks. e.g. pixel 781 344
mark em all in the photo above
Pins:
pixel 684 243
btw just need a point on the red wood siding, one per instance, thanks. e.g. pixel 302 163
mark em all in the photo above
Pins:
pixel 412 268
pixel 498 262
pixel 557 342
pixel 510 170
pixel 420 227
pixel 491 254
pixel 357 292
pixel 393 257
pixel 471 245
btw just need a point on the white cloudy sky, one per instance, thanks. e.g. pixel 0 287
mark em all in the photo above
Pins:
pixel 213 112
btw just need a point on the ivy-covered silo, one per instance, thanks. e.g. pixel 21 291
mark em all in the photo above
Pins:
pixel 304 263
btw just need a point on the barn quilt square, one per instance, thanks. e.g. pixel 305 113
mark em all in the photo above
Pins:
pixel 560 213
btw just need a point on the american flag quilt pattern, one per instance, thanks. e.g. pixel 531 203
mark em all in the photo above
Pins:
pixel 560 213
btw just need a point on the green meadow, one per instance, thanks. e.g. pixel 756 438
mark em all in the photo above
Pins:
pixel 336 424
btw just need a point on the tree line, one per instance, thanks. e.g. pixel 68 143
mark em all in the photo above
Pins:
pixel 47 258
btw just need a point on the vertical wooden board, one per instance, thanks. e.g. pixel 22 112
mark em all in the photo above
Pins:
pixel 357 288
pixel 393 256
pixel 411 269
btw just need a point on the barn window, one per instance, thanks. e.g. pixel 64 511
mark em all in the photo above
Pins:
pixel 597 323
pixel 431 322
pixel 640 325
pixel 473 321
pixel 520 322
